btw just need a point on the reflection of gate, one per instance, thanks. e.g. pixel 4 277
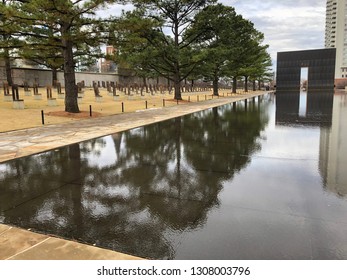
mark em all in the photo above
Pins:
pixel 319 109
pixel 321 69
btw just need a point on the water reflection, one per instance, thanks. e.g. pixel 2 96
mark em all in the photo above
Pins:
pixel 255 180
pixel 140 191
pixel 316 110
pixel 320 109
pixel 333 148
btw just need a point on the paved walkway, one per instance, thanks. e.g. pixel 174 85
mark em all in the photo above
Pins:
pixel 19 244
pixel 23 244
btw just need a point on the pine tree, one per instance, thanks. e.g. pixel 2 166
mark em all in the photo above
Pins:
pixel 229 44
pixel 160 45
pixel 68 28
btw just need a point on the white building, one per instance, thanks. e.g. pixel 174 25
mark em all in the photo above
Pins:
pixel 336 34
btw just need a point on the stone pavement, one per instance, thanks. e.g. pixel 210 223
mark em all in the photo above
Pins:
pixel 23 244
pixel 19 244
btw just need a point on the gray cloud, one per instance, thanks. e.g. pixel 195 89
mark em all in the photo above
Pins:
pixel 287 24
pixel 114 10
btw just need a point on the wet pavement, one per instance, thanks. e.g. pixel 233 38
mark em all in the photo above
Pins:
pixel 23 244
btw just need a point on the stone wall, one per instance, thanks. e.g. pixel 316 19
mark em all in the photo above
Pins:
pixel 341 83
pixel 44 77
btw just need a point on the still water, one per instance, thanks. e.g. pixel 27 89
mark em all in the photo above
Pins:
pixel 263 180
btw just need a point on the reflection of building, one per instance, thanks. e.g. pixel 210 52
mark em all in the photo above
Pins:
pixel 333 149
pixel 336 34
pixel 328 112
pixel 108 65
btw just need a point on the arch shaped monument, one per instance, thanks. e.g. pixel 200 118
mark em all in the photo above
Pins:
pixel 321 70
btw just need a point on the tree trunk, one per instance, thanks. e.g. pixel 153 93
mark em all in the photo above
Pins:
pixel 8 68
pixel 234 84
pixel 177 85
pixel 177 74
pixel 215 86
pixel 71 90
pixel 254 85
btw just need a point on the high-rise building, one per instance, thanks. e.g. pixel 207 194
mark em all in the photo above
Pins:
pixel 108 65
pixel 336 34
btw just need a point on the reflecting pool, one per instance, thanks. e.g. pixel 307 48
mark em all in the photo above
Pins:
pixel 264 179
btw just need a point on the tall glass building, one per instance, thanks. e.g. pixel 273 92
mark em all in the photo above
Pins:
pixel 336 34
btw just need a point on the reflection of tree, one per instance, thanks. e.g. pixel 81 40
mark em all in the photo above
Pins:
pixel 224 141
pixel 164 180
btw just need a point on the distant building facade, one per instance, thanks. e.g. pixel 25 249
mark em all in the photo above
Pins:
pixel 336 34
pixel 106 65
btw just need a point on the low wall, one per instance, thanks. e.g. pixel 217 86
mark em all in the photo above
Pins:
pixel 340 83
pixel 44 77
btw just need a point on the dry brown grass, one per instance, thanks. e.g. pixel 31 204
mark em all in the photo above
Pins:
pixel 14 119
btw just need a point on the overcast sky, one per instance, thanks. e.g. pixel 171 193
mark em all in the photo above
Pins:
pixel 288 25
